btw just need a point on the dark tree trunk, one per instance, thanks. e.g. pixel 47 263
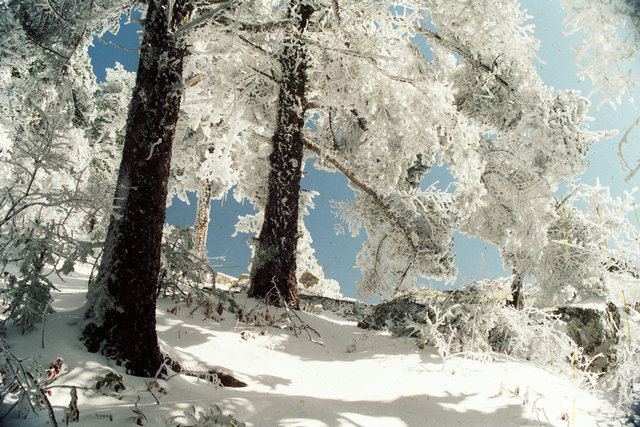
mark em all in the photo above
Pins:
pixel 516 290
pixel 273 273
pixel 122 300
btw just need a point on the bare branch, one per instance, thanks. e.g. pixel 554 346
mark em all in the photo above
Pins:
pixel 253 28
pixel 336 9
pixel 32 40
pixel 52 417
pixel 262 73
pixel 253 45
pixel 349 52
pixel 201 19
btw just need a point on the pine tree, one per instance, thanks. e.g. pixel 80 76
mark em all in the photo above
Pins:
pixel 122 300
pixel 273 274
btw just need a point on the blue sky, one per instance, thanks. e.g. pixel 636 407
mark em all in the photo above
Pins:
pixel 337 253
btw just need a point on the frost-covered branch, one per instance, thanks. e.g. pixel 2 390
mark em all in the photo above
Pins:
pixel 611 44
pixel 194 23
pixel 119 46
pixel 346 170
pixel 436 38
pixel 624 166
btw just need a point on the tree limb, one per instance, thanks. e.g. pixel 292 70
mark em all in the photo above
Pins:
pixel 336 10
pixel 436 38
pixel 624 166
pixel 119 46
pixel 342 167
pixel 32 40
pixel 55 11
pixel 201 19
pixel 254 28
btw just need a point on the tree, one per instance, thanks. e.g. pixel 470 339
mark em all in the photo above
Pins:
pixel 122 299
pixel 201 225
pixel 528 138
pixel 52 155
pixel 273 273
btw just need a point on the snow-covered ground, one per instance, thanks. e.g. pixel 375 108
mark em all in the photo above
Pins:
pixel 353 378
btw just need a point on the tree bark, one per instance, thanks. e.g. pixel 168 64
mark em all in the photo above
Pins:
pixel 122 300
pixel 201 225
pixel 516 290
pixel 273 273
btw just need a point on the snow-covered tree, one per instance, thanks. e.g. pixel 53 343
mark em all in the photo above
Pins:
pixel 339 45
pixel 52 158
pixel 478 102
pixel 122 299
pixel 273 273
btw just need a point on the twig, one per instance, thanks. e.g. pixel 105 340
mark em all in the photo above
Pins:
pixel 44 313
pixel 201 19
pixel 67 386
pixel 11 408
pixel 148 384
pixel 304 326
pixel 32 40
pixel 262 73
pixel 52 416
pixel 623 163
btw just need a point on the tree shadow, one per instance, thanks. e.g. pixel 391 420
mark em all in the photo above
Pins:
pixel 424 410
pixel 340 340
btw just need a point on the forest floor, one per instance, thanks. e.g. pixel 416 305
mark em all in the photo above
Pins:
pixel 347 377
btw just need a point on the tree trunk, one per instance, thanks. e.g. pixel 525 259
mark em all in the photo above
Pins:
pixel 516 290
pixel 201 225
pixel 273 273
pixel 122 300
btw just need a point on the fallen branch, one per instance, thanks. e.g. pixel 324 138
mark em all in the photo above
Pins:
pixel 211 375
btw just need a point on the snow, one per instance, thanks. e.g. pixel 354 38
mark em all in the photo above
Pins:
pixel 353 378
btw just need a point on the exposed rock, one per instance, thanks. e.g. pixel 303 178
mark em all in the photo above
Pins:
pixel 399 314
pixel 308 279
pixel 242 284
pixel 595 330
pixel 223 280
